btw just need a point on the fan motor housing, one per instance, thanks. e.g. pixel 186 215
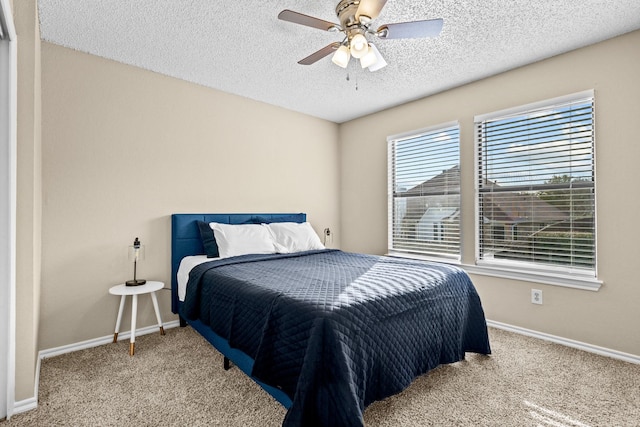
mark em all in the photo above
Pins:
pixel 349 21
pixel 346 11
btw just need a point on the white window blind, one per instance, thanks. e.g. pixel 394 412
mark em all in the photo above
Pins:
pixel 536 186
pixel 424 192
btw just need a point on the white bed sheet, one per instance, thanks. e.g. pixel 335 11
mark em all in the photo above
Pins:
pixel 186 265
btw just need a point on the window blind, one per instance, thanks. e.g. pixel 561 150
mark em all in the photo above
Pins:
pixel 424 192
pixel 536 185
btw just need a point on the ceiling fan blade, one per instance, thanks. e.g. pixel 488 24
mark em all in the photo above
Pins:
pixel 411 30
pixel 370 8
pixel 309 21
pixel 316 56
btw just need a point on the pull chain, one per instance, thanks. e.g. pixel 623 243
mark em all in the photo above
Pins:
pixel 348 79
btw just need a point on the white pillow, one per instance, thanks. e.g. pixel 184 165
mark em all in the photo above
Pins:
pixel 242 239
pixel 292 237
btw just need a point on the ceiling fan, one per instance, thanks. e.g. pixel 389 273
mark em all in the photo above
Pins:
pixel 355 22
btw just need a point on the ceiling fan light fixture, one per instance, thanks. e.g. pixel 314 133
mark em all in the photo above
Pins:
pixel 369 59
pixel 358 46
pixel 356 17
pixel 380 62
pixel 341 57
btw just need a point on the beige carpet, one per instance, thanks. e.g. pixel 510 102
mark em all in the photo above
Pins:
pixel 178 380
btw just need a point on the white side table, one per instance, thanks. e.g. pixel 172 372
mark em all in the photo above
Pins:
pixel 123 290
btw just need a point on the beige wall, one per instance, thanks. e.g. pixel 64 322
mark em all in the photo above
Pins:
pixel 609 317
pixel 28 198
pixel 124 148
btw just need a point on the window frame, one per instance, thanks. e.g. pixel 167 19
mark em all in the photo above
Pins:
pixel 8 203
pixel 396 252
pixel 546 273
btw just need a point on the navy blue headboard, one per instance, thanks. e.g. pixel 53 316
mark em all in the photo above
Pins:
pixel 185 237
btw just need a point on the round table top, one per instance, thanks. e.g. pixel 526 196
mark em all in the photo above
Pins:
pixel 123 289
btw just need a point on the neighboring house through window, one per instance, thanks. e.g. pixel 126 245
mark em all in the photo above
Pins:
pixel 536 186
pixel 424 192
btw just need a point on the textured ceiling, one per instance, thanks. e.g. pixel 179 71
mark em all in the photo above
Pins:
pixel 242 48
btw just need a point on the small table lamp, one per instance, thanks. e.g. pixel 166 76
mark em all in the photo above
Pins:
pixel 136 252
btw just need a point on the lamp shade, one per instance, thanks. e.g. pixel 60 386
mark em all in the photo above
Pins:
pixel 341 57
pixel 136 251
pixel 369 59
pixel 358 46
pixel 380 62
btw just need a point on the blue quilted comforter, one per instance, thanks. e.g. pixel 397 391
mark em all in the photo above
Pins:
pixel 337 331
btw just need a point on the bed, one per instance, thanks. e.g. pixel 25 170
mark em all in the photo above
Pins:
pixel 325 332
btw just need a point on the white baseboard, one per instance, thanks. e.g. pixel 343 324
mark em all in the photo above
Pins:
pixel 32 402
pixel 56 351
pixel 602 351
pixel 24 405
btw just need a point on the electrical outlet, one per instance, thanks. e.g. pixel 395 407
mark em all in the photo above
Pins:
pixel 328 237
pixel 536 296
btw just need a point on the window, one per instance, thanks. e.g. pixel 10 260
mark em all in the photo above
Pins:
pixel 424 192
pixel 536 186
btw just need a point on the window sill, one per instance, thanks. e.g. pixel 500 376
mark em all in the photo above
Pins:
pixel 550 278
